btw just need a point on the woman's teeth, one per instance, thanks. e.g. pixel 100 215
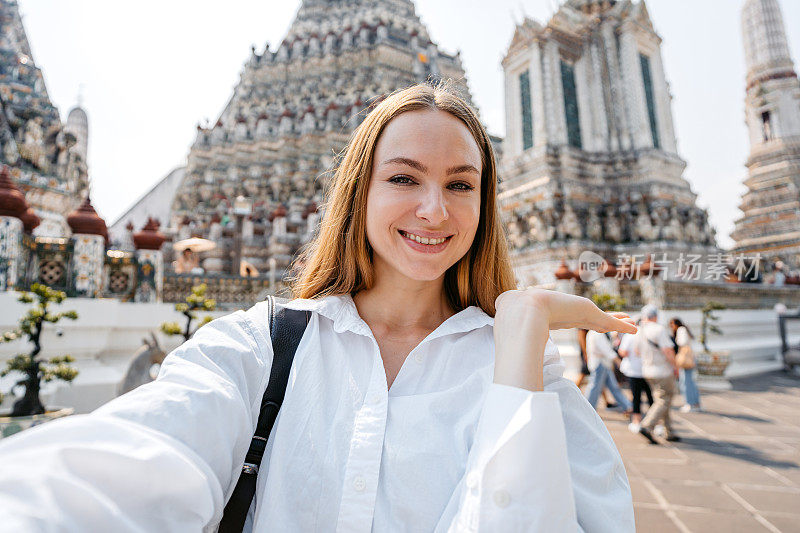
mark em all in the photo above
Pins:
pixel 423 240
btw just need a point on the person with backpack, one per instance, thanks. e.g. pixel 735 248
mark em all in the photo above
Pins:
pixel 654 346
pixel 422 390
pixel 684 357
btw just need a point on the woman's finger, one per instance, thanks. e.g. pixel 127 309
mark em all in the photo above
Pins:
pixel 613 323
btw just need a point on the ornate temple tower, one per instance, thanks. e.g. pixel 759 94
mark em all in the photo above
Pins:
pixel 770 223
pixel 47 159
pixel 257 174
pixel 590 158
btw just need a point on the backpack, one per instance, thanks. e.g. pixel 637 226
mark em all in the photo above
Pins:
pixel 286 327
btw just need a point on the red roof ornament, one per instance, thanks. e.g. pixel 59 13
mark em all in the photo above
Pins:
pixel 611 270
pixel 29 220
pixel 280 211
pixel 86 221
pixel 149 238
pixel 12 201
pixel 563 272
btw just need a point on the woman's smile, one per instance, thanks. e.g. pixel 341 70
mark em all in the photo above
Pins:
pixel 428 245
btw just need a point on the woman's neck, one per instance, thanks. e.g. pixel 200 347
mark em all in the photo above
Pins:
pixel 397 304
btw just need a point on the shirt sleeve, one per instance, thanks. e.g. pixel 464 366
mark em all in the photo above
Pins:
pixel 160 458
pixel 541 461
pixel 682 336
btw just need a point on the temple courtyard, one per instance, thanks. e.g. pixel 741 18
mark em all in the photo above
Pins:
pixel 737 467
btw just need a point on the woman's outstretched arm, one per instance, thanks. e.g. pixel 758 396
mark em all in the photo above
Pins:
pixel 542 459
pixel 160 458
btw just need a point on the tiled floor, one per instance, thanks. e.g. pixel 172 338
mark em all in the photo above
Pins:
pixel 737 468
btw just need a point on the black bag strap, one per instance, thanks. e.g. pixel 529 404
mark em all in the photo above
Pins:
pixel 286 329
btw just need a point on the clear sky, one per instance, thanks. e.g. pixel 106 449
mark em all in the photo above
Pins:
pixel 150 71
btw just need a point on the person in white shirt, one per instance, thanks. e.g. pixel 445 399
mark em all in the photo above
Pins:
pixel 601 356
pixel 631 366
pixel 425 394
pixel 654 346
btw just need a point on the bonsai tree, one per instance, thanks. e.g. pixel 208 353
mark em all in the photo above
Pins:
pixel 708 325
pixel 30 365
pixel 195 302
pixel 609 303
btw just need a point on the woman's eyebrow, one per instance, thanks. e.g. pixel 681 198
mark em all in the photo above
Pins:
pixel 460 169
pixel 408 162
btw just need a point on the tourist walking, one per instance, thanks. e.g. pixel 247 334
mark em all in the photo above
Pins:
pixel 685 360
pixel 631 366
pixel 584 371
pixel 601 356
pixel 425 393
pixel 654 346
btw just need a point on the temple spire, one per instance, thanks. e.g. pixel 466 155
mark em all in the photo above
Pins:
pixel 765 44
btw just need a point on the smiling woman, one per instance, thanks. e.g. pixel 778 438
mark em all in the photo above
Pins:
pixel 424 395
pixel 423 166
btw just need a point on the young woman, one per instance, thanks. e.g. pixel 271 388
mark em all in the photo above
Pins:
pixel 425 394
pixel 681 336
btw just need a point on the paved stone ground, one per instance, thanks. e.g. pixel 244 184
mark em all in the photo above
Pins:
pixel 737 468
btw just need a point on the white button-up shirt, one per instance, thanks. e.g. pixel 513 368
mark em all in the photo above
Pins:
pixel 444 449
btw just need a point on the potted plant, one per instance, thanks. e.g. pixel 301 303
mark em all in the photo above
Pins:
pixel 195 302
pixel 711 363
pixel 28 410
pixel 609 302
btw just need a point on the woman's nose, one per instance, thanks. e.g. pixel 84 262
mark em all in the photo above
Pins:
pixel 432 206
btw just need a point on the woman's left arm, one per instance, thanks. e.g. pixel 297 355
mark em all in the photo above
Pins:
pixel 542 459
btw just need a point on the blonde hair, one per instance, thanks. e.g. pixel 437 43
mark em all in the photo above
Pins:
pixel 339 260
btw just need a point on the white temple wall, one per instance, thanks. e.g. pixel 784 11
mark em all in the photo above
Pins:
pixel 589 139
pixel 600 114
pixel 635 100
pixel 538 97
pixel 103 340
pixel 620 112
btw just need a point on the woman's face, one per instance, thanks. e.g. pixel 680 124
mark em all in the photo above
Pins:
pixel 424 198
pixel 673 326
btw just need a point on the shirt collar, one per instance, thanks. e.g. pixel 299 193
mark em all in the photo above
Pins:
pixel 342 311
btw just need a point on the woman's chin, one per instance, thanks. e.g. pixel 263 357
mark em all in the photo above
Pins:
pixel 420 274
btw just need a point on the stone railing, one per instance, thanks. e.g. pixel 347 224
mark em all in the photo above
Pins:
pixel 695 294
pixel 230 292
pixel 689 295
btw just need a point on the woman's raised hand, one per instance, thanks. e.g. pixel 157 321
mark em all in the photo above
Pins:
pixel 522 324
pixel 563 311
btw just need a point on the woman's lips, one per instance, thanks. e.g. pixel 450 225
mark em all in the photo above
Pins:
pixel 424 248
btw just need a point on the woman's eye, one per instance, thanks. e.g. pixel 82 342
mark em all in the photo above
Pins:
pixel 401 180
pixel 461 186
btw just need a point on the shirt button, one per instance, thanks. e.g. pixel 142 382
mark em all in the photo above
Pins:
pixel 418 357
pixel 472 480
pixel 501 498
pixel 359 483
